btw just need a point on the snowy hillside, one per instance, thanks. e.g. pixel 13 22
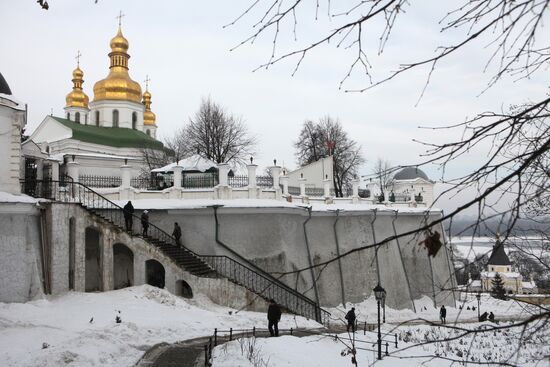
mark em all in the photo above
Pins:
pixel 79 329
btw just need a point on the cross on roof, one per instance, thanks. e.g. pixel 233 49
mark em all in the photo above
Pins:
pixel 119 17
pixel 147 80
pixel 78 54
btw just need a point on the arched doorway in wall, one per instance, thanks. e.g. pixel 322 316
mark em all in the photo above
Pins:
pixel 92 280
pixel 183 289
pixel 123 266
pixel 155 273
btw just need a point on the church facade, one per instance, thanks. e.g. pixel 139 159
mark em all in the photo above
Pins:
pixel 107 132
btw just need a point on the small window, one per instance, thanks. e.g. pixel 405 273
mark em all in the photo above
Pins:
pixel 86 119
pixel 134 120
pixel 77 117
pixel 96 118
pixel 115 118
pixel 68 116
pixel 148 132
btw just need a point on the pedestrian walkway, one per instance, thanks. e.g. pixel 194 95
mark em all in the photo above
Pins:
pixel 191 352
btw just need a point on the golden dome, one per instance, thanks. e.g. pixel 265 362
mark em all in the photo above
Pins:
pixel 149 117
pixel 118 85
pixel 77 97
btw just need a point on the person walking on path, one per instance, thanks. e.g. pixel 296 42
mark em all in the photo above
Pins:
pixel 443 314
pixel 145 222
pixel 273 318
pixel 128 214
pixel 350 316
pixel 177 233
pixel 492 317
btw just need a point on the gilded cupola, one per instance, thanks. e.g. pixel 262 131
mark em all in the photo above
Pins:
pixel 77 97
pixel 149 117
pixel 118 85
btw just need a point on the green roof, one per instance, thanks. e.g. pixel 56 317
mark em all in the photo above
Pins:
pixel 111 136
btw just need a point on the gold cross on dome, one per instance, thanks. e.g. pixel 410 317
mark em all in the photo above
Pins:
pixel 147 80
pixel 78 54
pixel 119 17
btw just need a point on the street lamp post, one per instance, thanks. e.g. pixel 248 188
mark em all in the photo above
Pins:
pixel 478 296
pixel 380 295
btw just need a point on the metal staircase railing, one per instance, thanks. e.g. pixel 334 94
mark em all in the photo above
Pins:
pixel 248 276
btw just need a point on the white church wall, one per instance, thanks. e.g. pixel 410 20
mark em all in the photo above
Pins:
pixel 50 131
pixel 125 110
pixel 11 121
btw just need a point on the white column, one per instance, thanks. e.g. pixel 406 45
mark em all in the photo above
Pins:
pixel 252 175
pixel 284 181
pixel 177 176
pixel 125 173
pixel 275 173
pixel 223 171
pixel 72 170
pixel 326 187
pixel 39 169
pixel 55 169
pixel 355 187
pixel 302 182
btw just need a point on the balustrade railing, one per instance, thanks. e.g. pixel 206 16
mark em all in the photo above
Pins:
pixel 237 181
pixel 100 181
pixel 264 181
pixel 199 181
pixel 251 277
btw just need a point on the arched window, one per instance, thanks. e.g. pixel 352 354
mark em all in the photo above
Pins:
pixel 77 117
pixel 96 118
pixel 134 120
pixel 115 118
pixel 148 132
pixel 86 119
pixel 68 116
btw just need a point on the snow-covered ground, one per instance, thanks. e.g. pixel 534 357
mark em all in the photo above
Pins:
pixel 420 345
pixel 367 310
pixel 60 331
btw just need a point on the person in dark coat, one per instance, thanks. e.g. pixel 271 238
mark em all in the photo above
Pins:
pixel 443 313
pixel 177 233
pixel 273 318
pixel 350 316
pixel 128 214
pixel 483 317
pixel 492 317
pixel 144 222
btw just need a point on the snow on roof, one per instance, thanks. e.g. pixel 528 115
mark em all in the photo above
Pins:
pixel 6 197
pixel 528 285
pixel 10 101
pixel 193 163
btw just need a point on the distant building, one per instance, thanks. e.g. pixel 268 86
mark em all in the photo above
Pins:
pixel 500 263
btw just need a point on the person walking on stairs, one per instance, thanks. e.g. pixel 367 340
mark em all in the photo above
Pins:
pixel 273 317
pixel 443 314
pixel 145 222
pixel 128 216
pixel 177 233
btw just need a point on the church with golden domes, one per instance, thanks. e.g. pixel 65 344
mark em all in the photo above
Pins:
pixel 112 129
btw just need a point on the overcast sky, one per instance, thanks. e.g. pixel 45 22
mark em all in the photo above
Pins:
pixel 182 46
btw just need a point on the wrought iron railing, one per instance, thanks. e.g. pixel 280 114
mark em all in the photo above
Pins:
pixel 100 181
pixel 199 181
pixel 248 276
pixel 293 190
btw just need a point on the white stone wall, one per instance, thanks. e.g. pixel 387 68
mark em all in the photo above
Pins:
pixel 314 173
pixel 20 265
pixel 12 119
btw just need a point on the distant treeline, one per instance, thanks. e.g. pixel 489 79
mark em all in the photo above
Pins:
pixel 466 226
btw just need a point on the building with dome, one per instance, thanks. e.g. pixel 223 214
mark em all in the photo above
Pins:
pixel 102 134
pixel 412 184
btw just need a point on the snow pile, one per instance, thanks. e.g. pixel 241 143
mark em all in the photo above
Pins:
pixel 80 328
pixel 6 197
pixel 464 312
pixel 417 346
